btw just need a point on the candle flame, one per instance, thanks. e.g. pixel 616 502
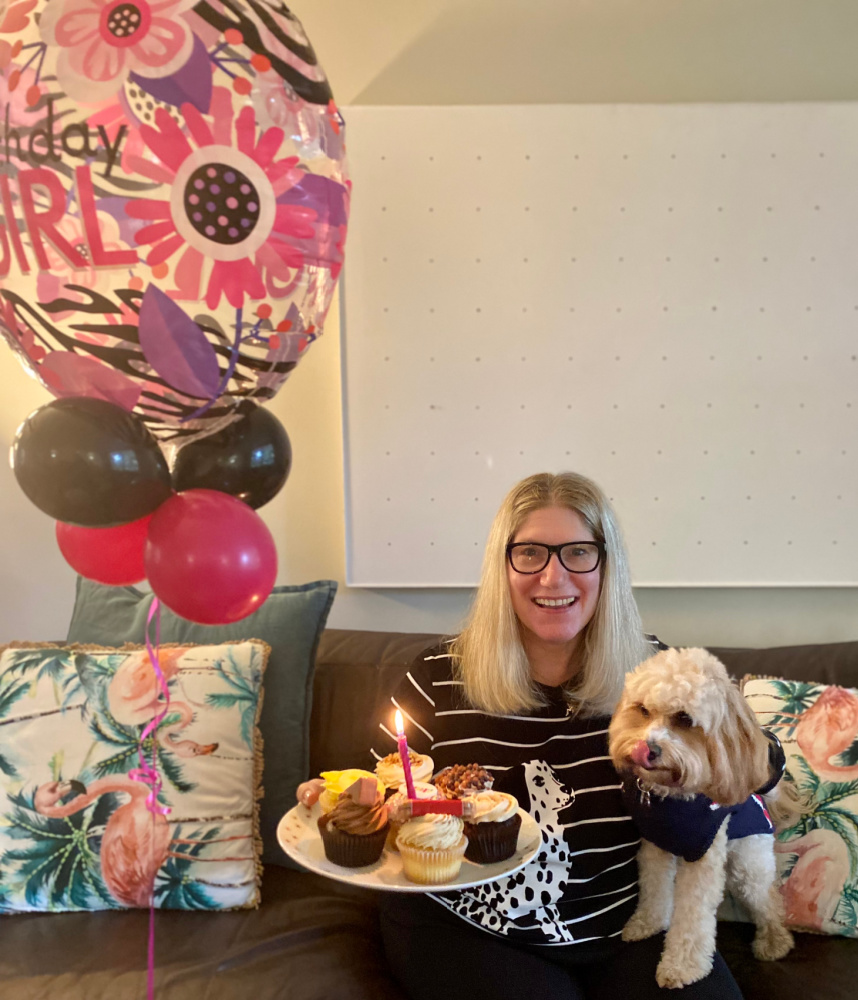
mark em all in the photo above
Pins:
pixel 399 727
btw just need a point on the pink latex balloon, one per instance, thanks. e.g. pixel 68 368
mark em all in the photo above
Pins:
pixel 209 557
pixel 107 555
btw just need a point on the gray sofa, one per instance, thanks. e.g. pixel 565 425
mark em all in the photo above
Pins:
pixel 315 939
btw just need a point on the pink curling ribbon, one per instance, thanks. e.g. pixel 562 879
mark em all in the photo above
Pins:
pixel 148 773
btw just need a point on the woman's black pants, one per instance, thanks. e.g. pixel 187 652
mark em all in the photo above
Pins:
pixel 438 956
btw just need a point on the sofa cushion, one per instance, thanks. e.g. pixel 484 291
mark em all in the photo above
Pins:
pixel 356 673
pixel 312 939
pixel 76 832
pixel 825 662
pixel 290 621
pixel 818 848
pixel 818 968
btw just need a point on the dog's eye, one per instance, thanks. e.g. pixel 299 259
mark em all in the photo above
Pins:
pixel 644 711
pixel 683 720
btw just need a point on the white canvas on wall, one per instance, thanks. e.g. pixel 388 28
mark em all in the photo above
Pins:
pixel 664 298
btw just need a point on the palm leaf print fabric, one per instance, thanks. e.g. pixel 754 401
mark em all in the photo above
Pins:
pixel 76 832
pixel 818 853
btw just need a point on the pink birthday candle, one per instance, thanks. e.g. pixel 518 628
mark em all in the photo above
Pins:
pixel 403 753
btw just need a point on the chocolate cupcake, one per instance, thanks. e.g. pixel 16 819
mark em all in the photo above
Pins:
pixel 463 779
pixel 492 830
pixel 353 832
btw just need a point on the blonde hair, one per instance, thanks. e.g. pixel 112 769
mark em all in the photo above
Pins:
pixel 488 654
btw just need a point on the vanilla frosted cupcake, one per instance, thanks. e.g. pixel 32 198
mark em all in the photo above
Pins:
pixel 336 782
pixel 492 829
pixel 432 848
pixel 422 790
pixel 389 769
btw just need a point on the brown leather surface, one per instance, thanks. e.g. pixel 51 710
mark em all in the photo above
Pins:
pixel 345 646
pixel 825 663
pixel 312 939
pixel 356 673
pixel 818 968
pixel 315 939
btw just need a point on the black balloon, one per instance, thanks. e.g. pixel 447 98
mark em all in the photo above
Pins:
pixel 249 459
pixel 88 462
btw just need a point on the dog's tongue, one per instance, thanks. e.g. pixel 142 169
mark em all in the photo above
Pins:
pixel 640 754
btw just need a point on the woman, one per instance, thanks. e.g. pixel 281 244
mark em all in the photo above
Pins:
pixel 526 690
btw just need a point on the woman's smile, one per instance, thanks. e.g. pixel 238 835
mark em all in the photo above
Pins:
pixel 553 605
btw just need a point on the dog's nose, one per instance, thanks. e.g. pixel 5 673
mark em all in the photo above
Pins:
pixel 654 751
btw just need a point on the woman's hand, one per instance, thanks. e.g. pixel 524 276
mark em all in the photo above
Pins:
pixel 309 791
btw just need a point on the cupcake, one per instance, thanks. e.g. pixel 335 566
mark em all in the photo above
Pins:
pixel 432 848
pixel 389 769
pixel 492 829
pixel 354 831
pixel 422 790
pixel 336 782
pixel 463 779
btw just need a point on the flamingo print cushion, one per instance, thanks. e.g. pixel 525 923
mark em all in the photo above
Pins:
pixel 818 853
pixel 76 832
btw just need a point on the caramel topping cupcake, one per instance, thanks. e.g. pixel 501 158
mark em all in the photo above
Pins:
pixel 463 779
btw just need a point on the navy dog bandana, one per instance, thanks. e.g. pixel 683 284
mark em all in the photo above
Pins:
pixel 687 827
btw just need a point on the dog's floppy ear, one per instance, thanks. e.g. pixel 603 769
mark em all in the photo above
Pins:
pixel 738 752
pixel 618 729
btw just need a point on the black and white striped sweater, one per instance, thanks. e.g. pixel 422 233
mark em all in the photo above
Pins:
pixel 582 885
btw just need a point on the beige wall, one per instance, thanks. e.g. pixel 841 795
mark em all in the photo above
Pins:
pixel 473 52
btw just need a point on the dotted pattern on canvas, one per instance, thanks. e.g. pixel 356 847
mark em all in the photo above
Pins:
pixel 664 298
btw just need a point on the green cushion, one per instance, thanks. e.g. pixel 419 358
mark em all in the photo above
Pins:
pixel 290 621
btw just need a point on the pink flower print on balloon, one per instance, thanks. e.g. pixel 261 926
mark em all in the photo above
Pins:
pixel 53 284
pixel 14 17
pixel 223 212
pixel 21 115
pixel 102 41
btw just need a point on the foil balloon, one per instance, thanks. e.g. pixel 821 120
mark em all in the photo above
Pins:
pixel 174 201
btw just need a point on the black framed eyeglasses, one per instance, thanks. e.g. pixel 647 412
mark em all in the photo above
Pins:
pixel 575 557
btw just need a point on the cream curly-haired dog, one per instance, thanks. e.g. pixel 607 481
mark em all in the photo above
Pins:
pixel 692 758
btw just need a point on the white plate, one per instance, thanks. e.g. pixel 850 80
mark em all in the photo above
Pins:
pixel 299 837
